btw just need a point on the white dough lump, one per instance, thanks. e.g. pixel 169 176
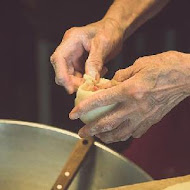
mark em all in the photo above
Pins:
pixel 89 88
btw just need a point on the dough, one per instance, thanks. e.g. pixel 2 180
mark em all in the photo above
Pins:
pixel 89 88
pixel 179 186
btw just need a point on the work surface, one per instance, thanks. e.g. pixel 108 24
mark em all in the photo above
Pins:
pixel 155 185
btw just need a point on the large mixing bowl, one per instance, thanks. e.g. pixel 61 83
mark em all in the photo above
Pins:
pixel 32 156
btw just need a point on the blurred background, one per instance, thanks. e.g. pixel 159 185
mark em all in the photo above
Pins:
pixel 30 32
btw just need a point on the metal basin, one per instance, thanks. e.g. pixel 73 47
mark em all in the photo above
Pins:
pixel 32 156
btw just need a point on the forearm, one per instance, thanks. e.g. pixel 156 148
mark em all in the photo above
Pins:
pixel 131 14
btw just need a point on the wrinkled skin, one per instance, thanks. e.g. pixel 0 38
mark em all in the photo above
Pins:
pixel 85 50
pixel 146 92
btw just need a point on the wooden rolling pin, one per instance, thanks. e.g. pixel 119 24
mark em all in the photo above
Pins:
pixel 154 185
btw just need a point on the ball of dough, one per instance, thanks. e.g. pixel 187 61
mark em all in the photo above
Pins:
pixel 89 88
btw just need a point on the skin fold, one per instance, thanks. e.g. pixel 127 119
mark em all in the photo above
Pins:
pixel 144 92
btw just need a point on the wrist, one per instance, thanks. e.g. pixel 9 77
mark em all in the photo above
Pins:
pixel 120 17
pixel 131 14
pixel 128 14
pixel 116 25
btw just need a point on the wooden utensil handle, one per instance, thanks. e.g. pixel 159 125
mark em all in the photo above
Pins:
pixel 73 164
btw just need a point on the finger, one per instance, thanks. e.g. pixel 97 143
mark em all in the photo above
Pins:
pixel 94 63
pixel 107 122
pixel 122 133
pixel 108 84
pixel 112 120
pixel 60 66
pixel 119 77
pixel 76 81
pixel 124 74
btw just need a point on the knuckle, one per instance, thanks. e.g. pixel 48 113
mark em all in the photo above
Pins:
pixel 138 61
pixel 55 56
pixel 103 125
pixel 52 59
pixel 70 32
pixel 95 63
pixel 137 135
pixel 104 40
pixel 174 55
pixel 59 81
pixel 123 74
pixel 172 52
pixel 141 60
pixel 119 73
pixel 122 136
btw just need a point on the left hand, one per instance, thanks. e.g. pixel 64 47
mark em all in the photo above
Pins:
pixel 85 50
pixel 149 89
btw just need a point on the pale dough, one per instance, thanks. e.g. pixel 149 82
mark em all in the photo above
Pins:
pixel 89 88
pixel 179 186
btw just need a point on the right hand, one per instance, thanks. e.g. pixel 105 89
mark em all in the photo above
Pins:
pixel 85 50
pixel 145 93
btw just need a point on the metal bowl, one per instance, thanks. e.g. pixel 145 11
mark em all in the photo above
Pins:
pixel 32 156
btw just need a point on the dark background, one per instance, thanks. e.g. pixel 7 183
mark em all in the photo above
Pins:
pixel 31 30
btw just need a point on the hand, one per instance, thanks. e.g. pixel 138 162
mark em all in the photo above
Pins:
pixel 86 49
pixel 149 89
